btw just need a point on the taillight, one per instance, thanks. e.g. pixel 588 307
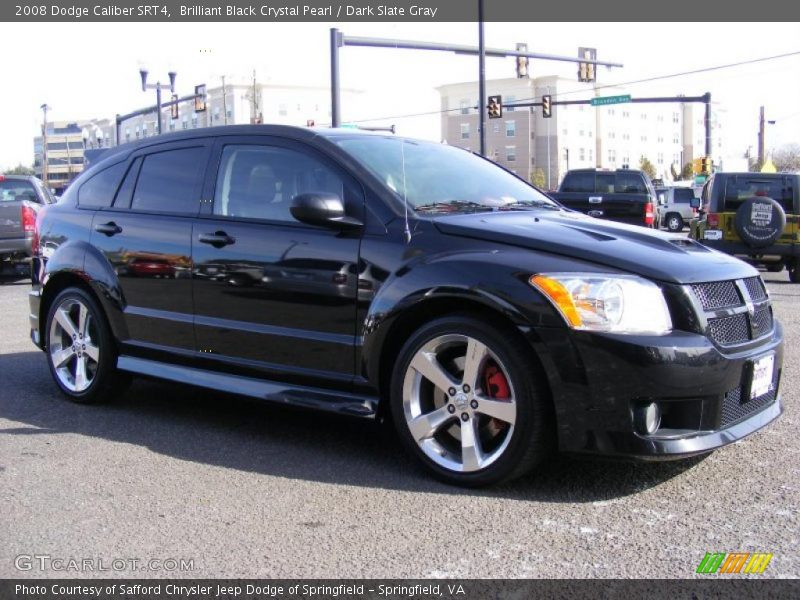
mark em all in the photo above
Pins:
pixel 713 220
pixel 649 215
pixel 37 219
pixel 28 219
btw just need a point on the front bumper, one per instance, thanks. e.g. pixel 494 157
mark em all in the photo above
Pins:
pixel 598 380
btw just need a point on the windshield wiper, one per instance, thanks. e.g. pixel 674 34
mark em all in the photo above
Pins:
pixel 451 206
pixel 525 204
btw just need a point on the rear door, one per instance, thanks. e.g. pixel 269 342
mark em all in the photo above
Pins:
pixel 146 237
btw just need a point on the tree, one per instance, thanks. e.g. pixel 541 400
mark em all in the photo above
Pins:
pixel 646 166
pixel 754 164
pixel 20 169
pixel 687 172
pixel 787 158
pixel 537 178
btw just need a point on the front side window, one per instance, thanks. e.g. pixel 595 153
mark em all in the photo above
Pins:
pixel 260 182
pixel 168 182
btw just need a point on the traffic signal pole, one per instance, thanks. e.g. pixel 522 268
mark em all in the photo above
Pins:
pixel 338 40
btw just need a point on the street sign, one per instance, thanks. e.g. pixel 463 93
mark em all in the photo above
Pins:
pixel 699 179
pixel 603 100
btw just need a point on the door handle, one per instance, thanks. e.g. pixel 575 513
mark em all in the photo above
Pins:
pixel 108 229
pixel 218 239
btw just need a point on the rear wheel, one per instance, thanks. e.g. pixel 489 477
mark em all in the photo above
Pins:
pixel 674 222
pixel 794 270
pixel 81 351
pixel 468 401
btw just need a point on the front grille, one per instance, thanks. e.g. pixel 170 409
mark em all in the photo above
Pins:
pixel 756 289
pixel 761 321
pixel 719 299
pixel 734 410
pixel 719 294
pixel 729 330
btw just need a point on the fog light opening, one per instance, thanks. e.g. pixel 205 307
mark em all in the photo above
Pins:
pixel 647 418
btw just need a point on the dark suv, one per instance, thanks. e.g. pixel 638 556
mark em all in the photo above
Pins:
pixel 376 276
pixel 754 216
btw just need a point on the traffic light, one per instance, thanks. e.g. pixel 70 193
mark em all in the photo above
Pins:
pixel 200 98
pixel 522 62
pixel 495 107
pixel 547 106
pixel 697 166
pixel 309 122
pixel 586 70
pixel 173 110
pixel 706 165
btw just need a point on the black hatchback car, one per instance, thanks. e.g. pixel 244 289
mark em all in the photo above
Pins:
pixel 384 277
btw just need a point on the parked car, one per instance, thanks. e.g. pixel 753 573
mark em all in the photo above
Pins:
pixel 624 195
pixel 676 210
pixel 21 196
pixel 495 326
pixel 753 216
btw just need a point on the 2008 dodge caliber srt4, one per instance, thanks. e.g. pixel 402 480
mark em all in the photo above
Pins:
pixel 377 276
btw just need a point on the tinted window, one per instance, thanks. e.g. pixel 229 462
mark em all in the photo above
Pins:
pixel 605 183
pixel 683 195
pixel 99 191
pixel 17 189
pixel 578 182
pixel 260 182
pixel 631 183
pixel 740 189
pixel 168 182
pixel 125 193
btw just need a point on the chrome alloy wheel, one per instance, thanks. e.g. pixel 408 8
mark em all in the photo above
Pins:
pixel 459 403
pixel 72 345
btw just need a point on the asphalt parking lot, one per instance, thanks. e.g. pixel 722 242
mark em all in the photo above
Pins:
pixel 242 488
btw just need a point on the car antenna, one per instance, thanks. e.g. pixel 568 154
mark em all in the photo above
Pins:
pixel 405 190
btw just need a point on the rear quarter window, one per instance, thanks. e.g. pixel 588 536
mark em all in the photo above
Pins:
pixel 683 195
pixel 99 190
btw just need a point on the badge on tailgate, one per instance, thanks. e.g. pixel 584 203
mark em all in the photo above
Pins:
pixel 595 199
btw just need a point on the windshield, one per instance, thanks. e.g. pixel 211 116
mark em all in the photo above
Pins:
pixel 437 178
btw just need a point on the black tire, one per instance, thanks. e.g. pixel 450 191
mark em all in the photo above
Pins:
pixel 106 382
pixel 674 222
pixel 531 440
pixel 793 267
pixel 760 221
pixel 775 267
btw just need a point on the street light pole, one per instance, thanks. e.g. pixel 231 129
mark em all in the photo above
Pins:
pixel 158 86
pixel 481 81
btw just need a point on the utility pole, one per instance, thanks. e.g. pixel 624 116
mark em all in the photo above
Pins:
pixel 481 80
pixel 549 165
pixel 224 103
pixel 44 108
pixel 761 131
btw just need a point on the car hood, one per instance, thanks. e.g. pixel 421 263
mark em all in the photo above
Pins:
pixel 652 254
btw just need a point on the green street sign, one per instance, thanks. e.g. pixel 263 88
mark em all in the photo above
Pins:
pixel 603 100
pixel 699 178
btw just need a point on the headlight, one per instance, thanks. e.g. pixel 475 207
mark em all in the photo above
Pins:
pixel 615 303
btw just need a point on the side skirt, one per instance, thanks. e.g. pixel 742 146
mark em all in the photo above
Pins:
pixel 319 399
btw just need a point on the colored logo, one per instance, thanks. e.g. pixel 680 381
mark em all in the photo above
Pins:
pixel 735 562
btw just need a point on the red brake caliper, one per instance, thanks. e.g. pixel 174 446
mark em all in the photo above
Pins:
pixel 495 383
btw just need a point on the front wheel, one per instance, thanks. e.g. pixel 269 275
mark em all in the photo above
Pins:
pixel 80 349
pixel 469 401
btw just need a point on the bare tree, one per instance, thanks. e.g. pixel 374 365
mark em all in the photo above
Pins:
pixel 787 158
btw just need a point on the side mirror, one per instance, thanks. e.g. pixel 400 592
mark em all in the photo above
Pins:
pixel 323 210
pixel 694 202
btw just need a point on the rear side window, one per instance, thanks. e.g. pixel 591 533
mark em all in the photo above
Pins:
pixel 631 183
pixel 99 191
pixel 578 182
pixel 740 189
pixel 683 195
pixel 168 182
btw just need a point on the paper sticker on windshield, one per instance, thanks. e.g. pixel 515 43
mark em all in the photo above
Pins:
pixel 761 214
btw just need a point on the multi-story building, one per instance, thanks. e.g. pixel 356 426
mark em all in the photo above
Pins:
pixel 66 142
pixel 669 135
pixel 242 103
